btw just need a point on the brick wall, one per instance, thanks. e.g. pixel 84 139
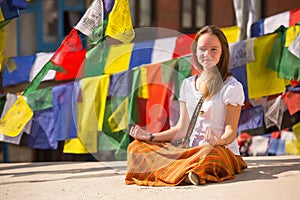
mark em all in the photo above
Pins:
pixel 168 14
pixel 272 7
pixel 221 13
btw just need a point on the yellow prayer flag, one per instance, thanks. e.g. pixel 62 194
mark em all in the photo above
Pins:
pixel 296 130
pixel 74 146
pixel 16 118
pixel 118 58
pixel 90 110
pixel 119 24
pixel 119 118
pixel 291 34
pixel 1 16
pixel 232 33
pixel 261 80
pixel 292 147
pixel 296 143
pixel 102 94
pixel 143 87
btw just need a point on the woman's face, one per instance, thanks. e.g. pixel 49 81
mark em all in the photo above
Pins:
pixel 209 50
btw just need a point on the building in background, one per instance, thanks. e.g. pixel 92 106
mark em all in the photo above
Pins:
pixel 44 23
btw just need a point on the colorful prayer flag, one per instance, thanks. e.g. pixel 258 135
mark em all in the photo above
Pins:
pixel 232 33
pixel 16 118
pixel 261 80
pixel 71 43
pixel 91 19
pixel 22 71
pixel 119 24
pixel 7 11
pixel 118 58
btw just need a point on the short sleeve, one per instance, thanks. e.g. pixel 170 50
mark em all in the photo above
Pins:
pixel 234 93
pixel 182 95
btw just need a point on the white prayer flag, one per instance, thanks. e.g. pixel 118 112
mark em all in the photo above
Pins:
pixel 92 18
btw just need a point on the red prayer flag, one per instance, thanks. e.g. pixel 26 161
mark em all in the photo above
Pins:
pixel 157 106
pixel 71 43
pixel 294 16
pixel 71 62
pixel 292 101
pixel 183 45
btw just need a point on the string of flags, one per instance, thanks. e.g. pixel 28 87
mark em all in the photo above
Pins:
pixel 111 87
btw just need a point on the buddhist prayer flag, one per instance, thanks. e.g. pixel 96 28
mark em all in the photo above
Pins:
pixel 7 101
pixel 281 59
pixel 241 53
pixel 92 18
pixel 261 80
pixel 124 101
pixel 72 63
pixel 251 118
pixel 292 101
pixel 118 58
pixel 183 67
pixel 71 43
pixel 40 76
pixel 16 118
pixel 21 4
pixel 108 5
pixel 270 24
pixel 294 48
pixel 75 146
pixel 141 53
pixel 94 63
pixel 157 107
pixel 296 130
pixel 64 112
pixel 274 113
pixel 90 109
pixel 143 88
pixel 21 73
pixel 119 24
pixel 7 11
pixel 41 59
pixel 240 73
pixel 138 83
pixel 109 140
pixel 183 45
pixel 40 99
pixel 41 135
pixel 232 33
pixel 163 49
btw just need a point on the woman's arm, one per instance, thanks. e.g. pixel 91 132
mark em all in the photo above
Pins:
pixel 175 133
pixel 231 124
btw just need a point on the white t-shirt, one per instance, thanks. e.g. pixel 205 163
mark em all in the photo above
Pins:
pixel 212 113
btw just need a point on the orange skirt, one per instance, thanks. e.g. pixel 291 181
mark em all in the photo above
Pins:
pixel 162 164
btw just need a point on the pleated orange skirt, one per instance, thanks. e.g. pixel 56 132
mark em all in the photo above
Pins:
pixel 162 164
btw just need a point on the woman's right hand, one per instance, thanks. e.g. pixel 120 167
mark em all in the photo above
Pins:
pixel 138 133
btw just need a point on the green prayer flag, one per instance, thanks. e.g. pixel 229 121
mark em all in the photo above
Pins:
pixel 40 99
pixel 39 77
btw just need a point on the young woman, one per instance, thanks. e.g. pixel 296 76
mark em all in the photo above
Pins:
pixel 213 155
